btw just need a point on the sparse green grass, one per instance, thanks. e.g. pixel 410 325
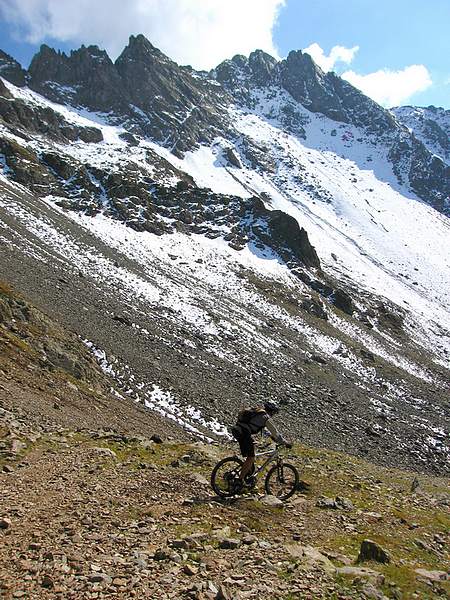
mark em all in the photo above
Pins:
pixel 5 289
pixel 385 491
pixel 369 487
pixel 284 575
pixel 18 342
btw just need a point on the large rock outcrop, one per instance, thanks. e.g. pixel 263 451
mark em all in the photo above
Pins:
pixel 11 70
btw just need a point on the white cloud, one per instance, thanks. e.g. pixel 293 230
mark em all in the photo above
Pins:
pixel 197 32
pixel 337 54
pixel 391 88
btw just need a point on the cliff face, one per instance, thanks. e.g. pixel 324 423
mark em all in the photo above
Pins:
pixel 11 70
pixel 87 77
pixel 144 89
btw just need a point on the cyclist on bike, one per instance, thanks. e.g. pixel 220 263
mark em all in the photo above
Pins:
pixel 250 422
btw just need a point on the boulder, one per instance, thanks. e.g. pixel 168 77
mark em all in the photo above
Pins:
pixel 343 301
pixel 282 233
pixel 370 550
pixel 432 575
pixel 229 544
pixel 272 501
pixel 311 556
pixel 5 523
pixel 335 503
pixel 232 158
pixel 90 135
pixel 314 307
pixel 199 479
pixel 162 554
pixel 106 452
pixel 47 582
pixel 326 503
pixel 190 570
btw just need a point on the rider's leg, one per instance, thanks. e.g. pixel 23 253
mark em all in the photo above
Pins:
pixel 247 467
pixel 248 451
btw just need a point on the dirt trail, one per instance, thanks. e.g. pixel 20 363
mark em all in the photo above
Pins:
pixel 102 515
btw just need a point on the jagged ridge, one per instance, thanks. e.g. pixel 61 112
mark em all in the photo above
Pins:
pixel 176 106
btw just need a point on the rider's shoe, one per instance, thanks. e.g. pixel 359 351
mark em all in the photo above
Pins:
pixel 238 486
pixel 250 481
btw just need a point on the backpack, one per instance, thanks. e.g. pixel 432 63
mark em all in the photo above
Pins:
pixel 247 416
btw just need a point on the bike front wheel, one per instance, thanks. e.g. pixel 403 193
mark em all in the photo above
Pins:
pixel 282 481
pixel 224 476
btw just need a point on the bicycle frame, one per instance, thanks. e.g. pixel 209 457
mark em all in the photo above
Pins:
pixel 273 453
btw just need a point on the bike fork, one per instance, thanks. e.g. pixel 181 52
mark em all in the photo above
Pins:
pixel 280 471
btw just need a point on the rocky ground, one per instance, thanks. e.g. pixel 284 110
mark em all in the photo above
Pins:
pixel 101 498
pixel 96 514
pixel 51 378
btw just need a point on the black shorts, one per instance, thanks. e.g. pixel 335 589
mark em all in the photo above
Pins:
pixel 245 440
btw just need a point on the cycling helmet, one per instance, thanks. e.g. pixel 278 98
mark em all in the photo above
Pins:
pixel 271 408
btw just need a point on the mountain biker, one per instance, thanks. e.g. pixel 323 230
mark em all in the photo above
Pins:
pixel 250 422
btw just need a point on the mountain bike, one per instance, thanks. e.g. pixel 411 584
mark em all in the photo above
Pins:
pixel 281 479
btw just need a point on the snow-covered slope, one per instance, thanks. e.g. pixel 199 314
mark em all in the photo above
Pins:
pixel 340 187
pixel 219 296
pixel 431 125
pixel 343 192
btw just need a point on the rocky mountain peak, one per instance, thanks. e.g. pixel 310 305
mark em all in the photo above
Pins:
pixel 231 72
pixel 139 47
pixel 308 84
pixel 11 70
pixel 143 68
pixel 261 65
pixel 87 77
pixel 240 74
pixel 49 65
pixel 303 61
pixel 144 89
pixel 174 96
pixel 239 60
pixel 302 66
pixel 152 96
pixel 90 56
pixel 90 65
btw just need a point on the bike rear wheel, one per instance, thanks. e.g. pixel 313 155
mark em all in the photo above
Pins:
pixel 224 476
pixel 281 481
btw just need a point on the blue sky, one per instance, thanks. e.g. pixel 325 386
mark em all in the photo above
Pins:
pixel 391 34
pixel 397 51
